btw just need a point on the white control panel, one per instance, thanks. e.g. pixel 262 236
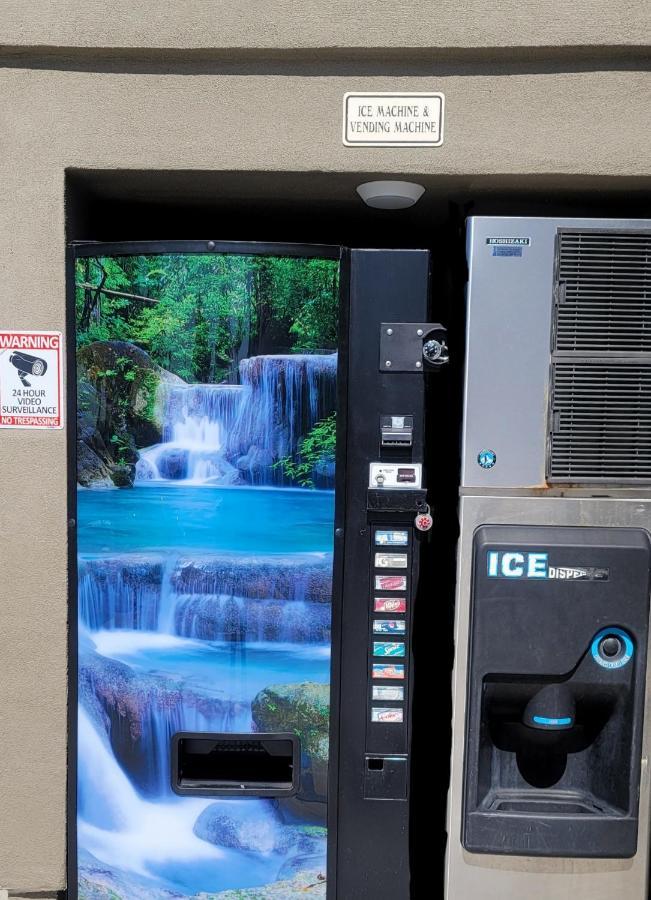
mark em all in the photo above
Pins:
pixel 401 476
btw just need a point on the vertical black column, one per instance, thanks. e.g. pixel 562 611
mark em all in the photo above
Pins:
pixel 370 777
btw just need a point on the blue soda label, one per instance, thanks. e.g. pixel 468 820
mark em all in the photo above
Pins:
pixel 392 538
pixel 389 626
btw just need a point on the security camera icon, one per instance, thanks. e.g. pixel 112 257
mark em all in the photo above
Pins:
pixel 28 365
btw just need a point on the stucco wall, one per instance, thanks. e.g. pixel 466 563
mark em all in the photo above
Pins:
pixel 60 116
pixel 342 23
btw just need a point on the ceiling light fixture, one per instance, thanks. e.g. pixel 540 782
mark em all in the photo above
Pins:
pixel 390 194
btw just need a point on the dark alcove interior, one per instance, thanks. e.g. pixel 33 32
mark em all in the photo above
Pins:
pixel 324 208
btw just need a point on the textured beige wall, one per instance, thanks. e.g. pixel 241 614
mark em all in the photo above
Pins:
pixel 312 23
pixel 589 123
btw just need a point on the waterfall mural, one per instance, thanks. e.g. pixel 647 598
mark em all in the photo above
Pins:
pixel 206 429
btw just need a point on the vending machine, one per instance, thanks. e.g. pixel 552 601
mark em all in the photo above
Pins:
pixel 247 505
pixel 549 792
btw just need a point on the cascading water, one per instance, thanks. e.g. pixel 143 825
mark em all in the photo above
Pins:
pixel 228 597
pixel 195 598
pixel 288 395
pixel 230 434
pixel 198 421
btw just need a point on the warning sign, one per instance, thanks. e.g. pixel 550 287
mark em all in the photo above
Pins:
pixel 31 379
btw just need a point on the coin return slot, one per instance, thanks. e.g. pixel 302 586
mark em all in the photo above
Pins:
pixel 385 778
pixel 262 765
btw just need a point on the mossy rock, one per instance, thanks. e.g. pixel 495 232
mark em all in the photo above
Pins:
pixel 120 408
pixel 305 710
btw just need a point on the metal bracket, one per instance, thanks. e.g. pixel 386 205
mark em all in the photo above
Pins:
pixel 401 346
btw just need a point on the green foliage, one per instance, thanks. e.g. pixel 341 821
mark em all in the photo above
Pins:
pixel 199 314
pixel 201 349
pixel 120 447
pixel 150 382
pixel 317 448
pixel 145 381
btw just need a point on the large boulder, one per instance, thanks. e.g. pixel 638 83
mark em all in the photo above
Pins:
pixel 173 464
pixel 94 462
pixel 92 469
pixel 305 710
pixel 245 824
pixel 256 461
pixel 120 408
pixel 255 825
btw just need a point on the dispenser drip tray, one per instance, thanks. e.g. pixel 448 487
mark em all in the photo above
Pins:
pixel 546 803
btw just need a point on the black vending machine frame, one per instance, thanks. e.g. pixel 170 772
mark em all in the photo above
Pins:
pixel 368 839
pixel 371 858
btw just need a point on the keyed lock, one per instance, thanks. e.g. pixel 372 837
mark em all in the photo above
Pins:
pixel 424 520
pixel 436 352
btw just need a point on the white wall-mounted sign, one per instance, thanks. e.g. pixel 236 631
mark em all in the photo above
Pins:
pixel 31 379
pixel 393 120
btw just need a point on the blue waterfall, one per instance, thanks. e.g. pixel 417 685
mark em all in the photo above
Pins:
pixel 235 433
pixel 178 634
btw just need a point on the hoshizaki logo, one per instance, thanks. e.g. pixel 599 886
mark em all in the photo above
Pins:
pixel 527 564
pixel 508 241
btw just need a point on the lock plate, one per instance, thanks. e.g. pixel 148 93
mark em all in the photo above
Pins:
pixel 401 345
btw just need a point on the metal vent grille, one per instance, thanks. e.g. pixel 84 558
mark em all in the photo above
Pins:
pixel 604 296
pixel 601 422
pixel 601 360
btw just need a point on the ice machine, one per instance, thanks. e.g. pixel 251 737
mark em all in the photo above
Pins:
pixel 549 793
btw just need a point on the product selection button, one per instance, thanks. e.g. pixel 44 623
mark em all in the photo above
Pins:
pixel 388 692
pixel 386 714
pixel 391 538
pixel 389 626
pixel 390 582
pixel 390 560
pixel 388 671
pixel 388 648
pixel 390 604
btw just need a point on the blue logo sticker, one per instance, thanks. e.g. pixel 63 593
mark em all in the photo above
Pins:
pixel 507 251
pixel 487 458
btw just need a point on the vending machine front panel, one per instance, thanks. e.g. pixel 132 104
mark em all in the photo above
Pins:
pixel 206 415
pixel 249 518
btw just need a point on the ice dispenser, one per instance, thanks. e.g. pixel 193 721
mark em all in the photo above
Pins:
pixel 556 690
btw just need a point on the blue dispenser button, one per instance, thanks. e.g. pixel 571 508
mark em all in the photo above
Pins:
pixel 612 648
